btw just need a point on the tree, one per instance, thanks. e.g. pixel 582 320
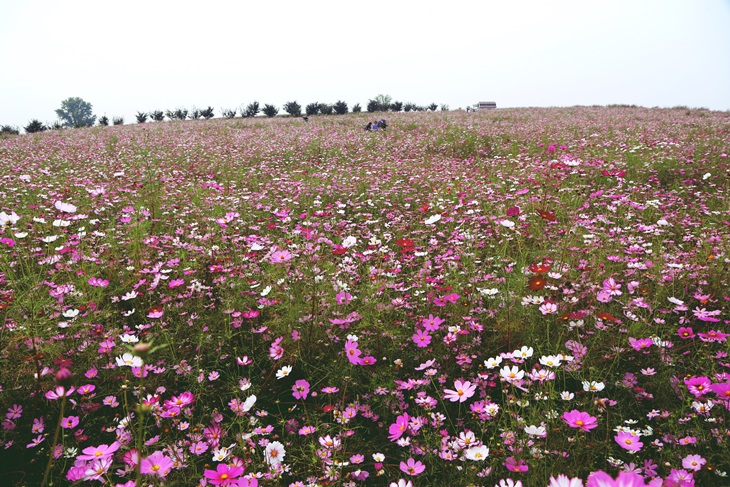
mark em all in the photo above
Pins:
pixel 195 114
pixel 293 108
pixel 433 107
pixel 383 102
pixel 180 113
pixel 396 106
pixel 409 106
pixel 9 130
pixel 141 117
pixel 208 113
pixel 103 121
pixel 373 106
pixel 75 112
pixel 34 126
pixel 325 109
pixel 251 110
pixel 118 120
pixel 312 108
pixel 340 107
pixel 228 113
pixel 270 110
pixel 356 108
pixel 157 115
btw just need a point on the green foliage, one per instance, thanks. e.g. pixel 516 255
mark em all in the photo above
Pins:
pixel 270 110
pixel 409 107
pixel 340 107
pixel 444 108
pixel 433 107
pixel 396 106
pixel 356 108
pixel 103 121
pixel 75 112
pixel 251 110
pixel 180 114
pixel 157 115
pixel 34 126
pixel 118 120
pixel 194 114
pixel 293 108
pixel 312 108
pixel 325 109
pixel 373 106
pixel 141 117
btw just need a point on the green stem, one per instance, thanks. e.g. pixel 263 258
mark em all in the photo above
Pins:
pixel 55 441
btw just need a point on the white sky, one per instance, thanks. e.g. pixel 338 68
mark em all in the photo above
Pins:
pixel 131 56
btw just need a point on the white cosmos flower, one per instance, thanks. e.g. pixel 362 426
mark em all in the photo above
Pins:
pixel 349 242
pixel 129 360
pixel 71 313
pixel 49 239
pixel 477 453
pixel 507 223
pixel 274 453
pixel 249 402
pixel 283 372
pixel 533 430
pixel 128 338
pixel 491 363
pixel 12 218
pixel 65 207
pixel 432 219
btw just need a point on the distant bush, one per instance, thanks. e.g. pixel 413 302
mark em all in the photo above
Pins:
pixel 325 109
pixel 8 130
pixel 396 106
pixel 57 125
pixel 433 107
pixel 141 117
pixel 312 108
pixel 444 108
pixel 228 113
pixel 356 108
pixel 208 113
pixel 194 114
pixel 34 126
pixel 251 110
pixel 409 106
pixel 340 107
pixel 103 121
pixel 157 115
pixel 270 110
pixel 293 108
pixel 118 120
pixel 181 113
pixel 373 106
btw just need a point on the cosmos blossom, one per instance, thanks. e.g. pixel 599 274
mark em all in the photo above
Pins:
pixel 461 392
pixel 580 420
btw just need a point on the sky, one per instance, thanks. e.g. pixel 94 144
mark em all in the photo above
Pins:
pixel 125 57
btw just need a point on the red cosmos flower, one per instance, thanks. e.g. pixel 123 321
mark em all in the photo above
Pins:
pixel 339 250
pixel 424 208
pixel 513 211
pixel 539 268
pixel 536 283
pixel 606 316
pixel 407 245
pixel 547 215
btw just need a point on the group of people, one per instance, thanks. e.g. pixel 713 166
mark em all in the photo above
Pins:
pixel 374 126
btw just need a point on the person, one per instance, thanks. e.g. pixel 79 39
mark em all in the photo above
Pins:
pixel 383 125
pixel 306 118
pixel 375 126
pixel 369 126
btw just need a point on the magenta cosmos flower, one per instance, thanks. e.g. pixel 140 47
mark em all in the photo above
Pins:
pixel 223 474
pixel 421 338
pixel 300 389
pixel 628 441
pixel 579 419
pixel 400 426
pixel 462 391
pixel 412 467
pixel 156 464
pixel 624 479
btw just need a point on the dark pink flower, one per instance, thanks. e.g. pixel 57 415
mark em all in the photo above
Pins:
pixel 628 441
pixel 300 389
pixel 224 474
pixel 400 426
pixel 412 467
pixel 579 419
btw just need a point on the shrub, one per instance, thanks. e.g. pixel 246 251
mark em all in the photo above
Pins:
pixel 57 125
pixel 373 106
pixel 157 115
pixel 251 110
pixel 312 108
pixel 356 108
pixel 118 120
pixel 293 108
pixel 396 106
pixel 34 126
pixel 409 106
pixel 8 130
pixel 141 117
pixel 228 113
pixel 103 121
pixel 433 107
pixel 340 107
pixel 75 112
pixel 208 113
pixel 444 108
pixel 194 114
pixel 181 113
pixel 325 109
pixel 270 110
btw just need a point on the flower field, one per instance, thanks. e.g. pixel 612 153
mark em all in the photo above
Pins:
pixel 518 297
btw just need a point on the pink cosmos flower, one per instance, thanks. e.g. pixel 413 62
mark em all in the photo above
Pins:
pixel 412 467
pixel 462 391
pixel 398 428
pixel 628 441
pixel 432 323
pixel 640 344
pixel 300 389
pixel 156 464
pixel 679 478
pixel 98 282
pixel 698 386
pixel 685 332
pixel 421 338
pixel 343 298
pixel 722 390
pixel 69 422
pixel 223 475
pixel 514 465
pixel 64 207
pixel 353 352
pixel 624 479
pixel 580 419
pixel 693 462
pixel 281 256
pixel 97 452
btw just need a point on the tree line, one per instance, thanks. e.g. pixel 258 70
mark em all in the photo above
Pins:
pixel 76 112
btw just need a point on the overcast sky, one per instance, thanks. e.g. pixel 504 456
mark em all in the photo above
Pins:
pixel 131 56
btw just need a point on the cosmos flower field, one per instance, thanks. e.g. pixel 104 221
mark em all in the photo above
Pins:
pixel 515 297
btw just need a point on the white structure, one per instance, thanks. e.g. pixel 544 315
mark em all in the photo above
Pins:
pixel 487 105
